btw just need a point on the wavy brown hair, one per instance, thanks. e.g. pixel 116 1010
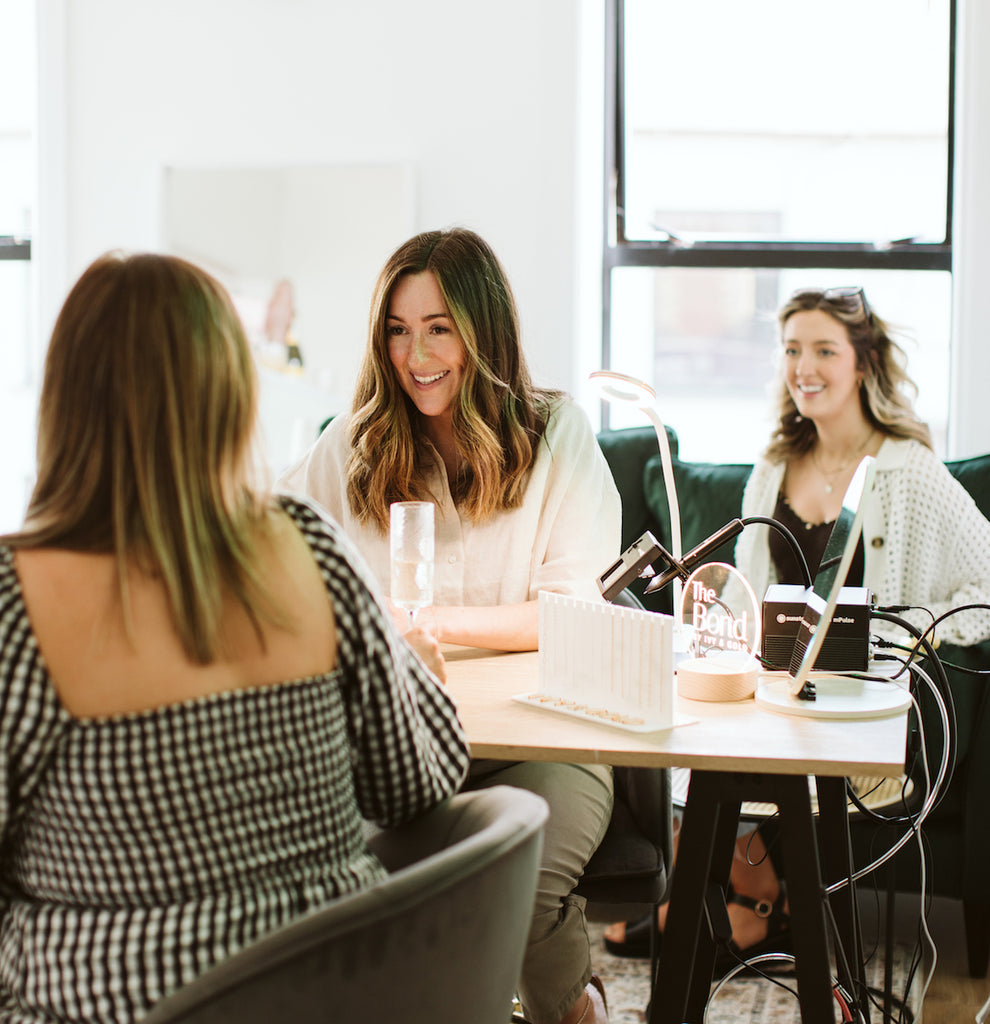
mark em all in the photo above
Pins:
pixel 145 446
pixel 887 392
pixel 499 415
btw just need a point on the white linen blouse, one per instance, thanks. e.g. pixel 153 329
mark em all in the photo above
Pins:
pixel 565 533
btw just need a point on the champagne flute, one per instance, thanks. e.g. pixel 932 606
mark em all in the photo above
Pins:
pixel 411 550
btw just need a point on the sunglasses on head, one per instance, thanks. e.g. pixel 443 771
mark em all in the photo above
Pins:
pixel 844 294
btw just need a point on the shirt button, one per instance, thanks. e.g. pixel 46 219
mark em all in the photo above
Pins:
pixel 452 559
pixel 877 542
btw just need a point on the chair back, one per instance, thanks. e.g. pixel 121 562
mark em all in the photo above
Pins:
pixel 632 863
pixel 441 940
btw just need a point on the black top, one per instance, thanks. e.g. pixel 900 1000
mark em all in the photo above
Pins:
pixel 811 538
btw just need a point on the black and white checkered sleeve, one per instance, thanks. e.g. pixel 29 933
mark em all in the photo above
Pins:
pixel 31 716
pixel 408 747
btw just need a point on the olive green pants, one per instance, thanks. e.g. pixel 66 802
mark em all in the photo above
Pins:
pixel 557 963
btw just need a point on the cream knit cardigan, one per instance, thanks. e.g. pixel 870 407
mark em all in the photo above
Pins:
pixel 925 542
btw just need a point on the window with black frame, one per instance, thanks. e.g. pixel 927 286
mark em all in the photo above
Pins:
pixel 755 148
pixel 18 189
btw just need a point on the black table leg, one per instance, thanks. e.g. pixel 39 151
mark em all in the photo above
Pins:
pixel 708 834
pixel 806 896
pixel 704 855
pixel 837 864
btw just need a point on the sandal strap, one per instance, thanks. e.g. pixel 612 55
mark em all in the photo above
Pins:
pixel 771 910
pixel 762 908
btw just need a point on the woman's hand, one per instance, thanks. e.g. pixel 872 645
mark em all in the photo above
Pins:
pixel 426 645
pixel 400 617
pixel 425 619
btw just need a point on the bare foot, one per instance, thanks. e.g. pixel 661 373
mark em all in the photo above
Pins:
pixel 753 875
pixel 616 932
pixel 589 1009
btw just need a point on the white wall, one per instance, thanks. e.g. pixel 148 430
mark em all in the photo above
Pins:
pixel 477 98
pixel 969 414
pixel 484 101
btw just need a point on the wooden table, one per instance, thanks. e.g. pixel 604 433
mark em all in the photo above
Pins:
pixel 737 751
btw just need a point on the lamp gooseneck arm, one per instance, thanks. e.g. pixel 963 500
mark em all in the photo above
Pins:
pixel 672 505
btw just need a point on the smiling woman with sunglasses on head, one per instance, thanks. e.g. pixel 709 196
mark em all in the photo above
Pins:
pixel 844 393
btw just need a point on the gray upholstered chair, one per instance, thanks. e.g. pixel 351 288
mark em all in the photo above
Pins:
pixel 440 940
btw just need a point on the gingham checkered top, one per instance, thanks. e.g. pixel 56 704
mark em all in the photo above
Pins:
pixel 141 849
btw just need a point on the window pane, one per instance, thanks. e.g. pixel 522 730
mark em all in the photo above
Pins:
pixel 17 117
pixel 17 396
pixel 707 340
pixel 18 172
pixel 786 121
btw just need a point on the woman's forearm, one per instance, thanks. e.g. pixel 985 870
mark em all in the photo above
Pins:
pixel 506 627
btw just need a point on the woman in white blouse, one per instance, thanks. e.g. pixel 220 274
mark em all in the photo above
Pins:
pixel 445 411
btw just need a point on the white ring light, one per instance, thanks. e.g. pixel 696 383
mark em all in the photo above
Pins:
pixel 617 387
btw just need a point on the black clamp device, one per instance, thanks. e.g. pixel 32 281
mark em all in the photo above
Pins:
pixel 634 563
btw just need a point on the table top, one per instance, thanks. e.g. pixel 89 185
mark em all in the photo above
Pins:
pixel 739 736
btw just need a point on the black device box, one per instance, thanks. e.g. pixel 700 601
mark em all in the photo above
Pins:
pixel 847 642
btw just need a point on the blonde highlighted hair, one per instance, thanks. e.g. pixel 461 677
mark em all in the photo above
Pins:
pixel 887 392
pixel 145 440
pixel 499 415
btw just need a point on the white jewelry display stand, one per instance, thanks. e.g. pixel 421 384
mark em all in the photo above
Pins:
pixel 605 664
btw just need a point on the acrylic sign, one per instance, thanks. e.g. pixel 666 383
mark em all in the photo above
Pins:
pixel 720 614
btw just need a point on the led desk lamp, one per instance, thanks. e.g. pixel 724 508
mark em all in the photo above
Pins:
pixel 617 387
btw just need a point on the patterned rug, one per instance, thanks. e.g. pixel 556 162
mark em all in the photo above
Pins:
pixel 745 999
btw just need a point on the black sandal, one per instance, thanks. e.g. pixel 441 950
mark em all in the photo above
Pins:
pixel 636 944
pixel 778 938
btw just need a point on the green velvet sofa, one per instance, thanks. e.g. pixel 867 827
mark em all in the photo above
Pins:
pixel 958 829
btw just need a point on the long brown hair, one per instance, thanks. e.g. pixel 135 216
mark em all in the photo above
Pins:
pixel 146 431
pixel 887 392
pixel 499 416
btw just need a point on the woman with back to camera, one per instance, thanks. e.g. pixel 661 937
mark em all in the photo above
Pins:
pixel 445 411
pixel 844 393
pixel 202 695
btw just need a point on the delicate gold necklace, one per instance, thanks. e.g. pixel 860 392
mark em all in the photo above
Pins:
pixel 830 476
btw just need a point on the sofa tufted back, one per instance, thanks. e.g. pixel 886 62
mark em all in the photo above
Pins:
pixel 709 494
pixel 974 475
